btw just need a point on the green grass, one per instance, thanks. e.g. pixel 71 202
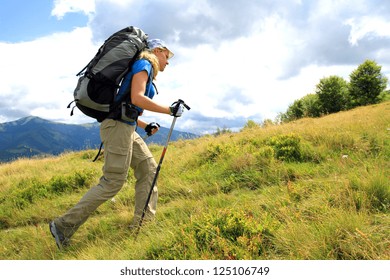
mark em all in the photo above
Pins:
pixel 314 189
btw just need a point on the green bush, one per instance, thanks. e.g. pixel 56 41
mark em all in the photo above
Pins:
pixel 27 191
pixel 60 184
pixel 226 234
pixel 229 235
pixel 214 152
pixel 265 155
pixel 287 147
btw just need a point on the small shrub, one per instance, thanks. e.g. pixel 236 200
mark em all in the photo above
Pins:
pixel 60 184
pixel 26 192
pixel 222 235
pixel 215 152
pixel 228 234
pixel 287 147
pixel 265 155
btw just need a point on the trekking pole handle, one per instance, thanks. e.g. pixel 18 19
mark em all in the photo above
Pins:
pixel 184 104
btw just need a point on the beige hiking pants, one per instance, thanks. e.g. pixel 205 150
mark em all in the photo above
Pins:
pixel 123 147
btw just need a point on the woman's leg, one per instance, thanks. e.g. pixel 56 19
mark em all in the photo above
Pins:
pixel 144 167
pixel 118 139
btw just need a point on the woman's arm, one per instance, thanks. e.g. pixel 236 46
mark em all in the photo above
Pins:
pixel 141 124
pixel 138 88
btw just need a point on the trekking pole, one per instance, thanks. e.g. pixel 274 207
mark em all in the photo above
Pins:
pixel 158 168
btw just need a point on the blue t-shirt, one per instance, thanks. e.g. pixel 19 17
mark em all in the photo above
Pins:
pixel 138 66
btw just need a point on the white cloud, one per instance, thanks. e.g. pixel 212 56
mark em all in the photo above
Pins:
pixel 62 7
pixel 366 27
pixel 250 65
pixel 41 73
pixel 121 3
pixel 232 62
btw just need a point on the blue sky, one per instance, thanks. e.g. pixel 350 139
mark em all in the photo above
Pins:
pixel 24 20
pixel 232 63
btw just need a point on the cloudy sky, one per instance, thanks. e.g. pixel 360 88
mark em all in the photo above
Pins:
pixel 234 60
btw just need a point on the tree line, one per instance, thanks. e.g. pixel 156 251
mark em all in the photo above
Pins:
pixel 367 86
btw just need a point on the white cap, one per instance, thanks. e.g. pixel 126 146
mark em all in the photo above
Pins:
pixel 157 43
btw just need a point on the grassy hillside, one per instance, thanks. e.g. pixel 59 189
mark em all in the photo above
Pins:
pixel 312 189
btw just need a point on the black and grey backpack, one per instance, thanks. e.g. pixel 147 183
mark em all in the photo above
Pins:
pixel 100 79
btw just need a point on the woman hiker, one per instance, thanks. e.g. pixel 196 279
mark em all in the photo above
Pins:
pixel 123 147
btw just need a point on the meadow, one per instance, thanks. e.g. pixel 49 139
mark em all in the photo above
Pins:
pixel 313 189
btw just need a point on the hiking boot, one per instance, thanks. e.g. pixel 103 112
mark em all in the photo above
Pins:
pixel 61 240
pixel 134 226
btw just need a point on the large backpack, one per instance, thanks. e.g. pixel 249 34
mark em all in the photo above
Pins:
pixel 99 80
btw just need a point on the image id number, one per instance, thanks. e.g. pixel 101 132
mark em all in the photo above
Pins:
pixel 241 270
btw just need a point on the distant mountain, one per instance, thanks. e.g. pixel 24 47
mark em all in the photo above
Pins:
pixel 32 136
